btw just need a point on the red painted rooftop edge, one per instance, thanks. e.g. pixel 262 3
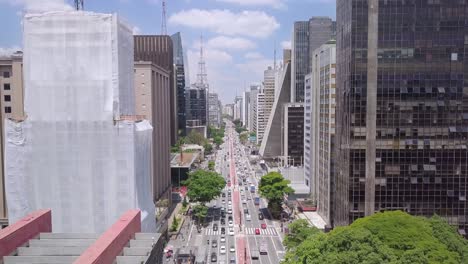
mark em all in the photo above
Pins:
pixel 106 248
pixel 27 228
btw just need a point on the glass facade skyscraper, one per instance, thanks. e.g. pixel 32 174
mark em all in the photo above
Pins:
pixel 402 109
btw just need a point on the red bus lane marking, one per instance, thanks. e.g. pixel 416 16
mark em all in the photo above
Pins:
pixel 243 255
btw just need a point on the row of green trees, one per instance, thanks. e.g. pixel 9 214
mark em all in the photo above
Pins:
pixel 193 138
pixel 388 237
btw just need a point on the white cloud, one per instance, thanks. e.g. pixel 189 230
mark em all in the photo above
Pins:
pixel 253 55
pixel 247 23
pixel 40 5
pixel 255 67
pixel 229 43
pixel 286 44
pixel 8 51
pixel 271 3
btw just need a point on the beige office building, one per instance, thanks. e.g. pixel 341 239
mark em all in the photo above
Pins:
pixel 152 102
pixel 11 85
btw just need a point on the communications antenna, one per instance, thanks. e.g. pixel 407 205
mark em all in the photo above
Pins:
pixel 163 18
pixel 79 4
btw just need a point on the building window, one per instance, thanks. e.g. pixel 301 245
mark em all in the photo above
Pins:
pixel 7 98
pixel 7 109
pixel 6 86
pixel 6 74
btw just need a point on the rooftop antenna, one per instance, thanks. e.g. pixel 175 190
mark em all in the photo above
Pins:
pixel 202 79
pixel 79 4
pixel 163 19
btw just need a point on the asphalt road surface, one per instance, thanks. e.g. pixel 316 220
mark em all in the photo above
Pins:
pixel 233 164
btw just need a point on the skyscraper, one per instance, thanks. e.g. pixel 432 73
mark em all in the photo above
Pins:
pixel 159 50
pixel 319 132
pixel 307 36
pixel 402 120
pixel 246 109
pixel 180 65
pixel 214 110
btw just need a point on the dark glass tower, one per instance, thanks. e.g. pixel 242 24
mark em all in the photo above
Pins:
pixel 402 109
pixel 180 81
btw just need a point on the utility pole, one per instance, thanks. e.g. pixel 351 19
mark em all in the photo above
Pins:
pixel 79 4
pixel 163 19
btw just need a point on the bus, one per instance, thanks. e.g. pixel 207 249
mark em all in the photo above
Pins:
pixel 252 188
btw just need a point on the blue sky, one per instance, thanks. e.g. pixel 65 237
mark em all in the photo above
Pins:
pixel 239 35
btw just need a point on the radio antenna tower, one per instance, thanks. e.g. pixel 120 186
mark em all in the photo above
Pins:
pixel 163 18
pixel 79 4
pixel 202 80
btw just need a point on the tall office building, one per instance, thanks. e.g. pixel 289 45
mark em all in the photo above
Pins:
pixel 81 151
pixel 269 88
pixel 307 36
pixel 159 50
pixel 238 108
pixel 11 85
pixel 152 93
pixel 261 115
pixel 254 88
pixel 196 106
pixel 214 110
pixel 319 131
pixel 246 109
pixel 402 99
pixel 293 133
pixel 180 71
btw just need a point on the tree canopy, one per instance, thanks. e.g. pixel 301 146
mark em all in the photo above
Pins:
pixel 388 237
pixel 203 186
pixel 273 187
pixel 195 138
pixel 211 165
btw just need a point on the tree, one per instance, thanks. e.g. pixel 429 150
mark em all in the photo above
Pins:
pixel 243 138
pixel 388 237
pixel 208 148
pixel 273 187
pixel 218 140
pixel 203 186
pixel 299 231
pixel 199 212
pixel 211 165
pixel 195 138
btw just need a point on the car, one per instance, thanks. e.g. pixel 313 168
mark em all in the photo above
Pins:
pixel 229 202
pixel 223 201
pixel 214 258
pixel 222 239
pixel 222 250
pixel 246 211
pixel 231 231
pixel 257 231
pixel 223 231
pixel 264 226
pixel 215 227
pixel 229 211
pixel 248 217
pixel 260 216
pixel 214 243
pixel 231 224
pixel 223 221
pixel 232 249
pixel 244 201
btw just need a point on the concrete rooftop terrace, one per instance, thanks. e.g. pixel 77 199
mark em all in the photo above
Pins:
pixel 30 240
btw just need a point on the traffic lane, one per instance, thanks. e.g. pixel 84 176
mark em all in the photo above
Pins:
pixel 243 256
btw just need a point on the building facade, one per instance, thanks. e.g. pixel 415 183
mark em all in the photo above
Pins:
pixel 11 85
pixel 152 103
pixel 246 109
pixel 307 36
pixel 401 109
pixel 254 89
pixel 319 132
pixel 261 116
pixel 196 105
pixel 180 82
pixel 293 131
pixel 160 51
pixel 214 110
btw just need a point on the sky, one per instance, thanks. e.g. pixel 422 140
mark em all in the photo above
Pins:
pixel 239 36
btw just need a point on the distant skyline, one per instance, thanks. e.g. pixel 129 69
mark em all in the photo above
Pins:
pixel 239 35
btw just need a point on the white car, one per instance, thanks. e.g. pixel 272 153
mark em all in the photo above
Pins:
pixel 231 224
pixel 229 203
pixel 232 249
pixel 248 217
pixel 222 250
pixel 231 231
pixel 223 239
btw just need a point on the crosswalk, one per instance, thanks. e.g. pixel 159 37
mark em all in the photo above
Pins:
pixel 211 232
pixel 270 231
